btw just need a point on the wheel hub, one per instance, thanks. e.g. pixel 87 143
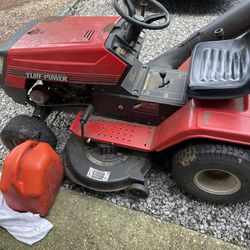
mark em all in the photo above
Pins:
pixel 17 141
pixel 217 181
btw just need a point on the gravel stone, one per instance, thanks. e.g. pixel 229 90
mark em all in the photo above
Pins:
pixel 15 13
pixel 166 201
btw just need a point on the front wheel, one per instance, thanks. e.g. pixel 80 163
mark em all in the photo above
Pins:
pixel 22 128
pixel 213 172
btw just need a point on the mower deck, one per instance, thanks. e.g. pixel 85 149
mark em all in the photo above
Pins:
pixel 103 168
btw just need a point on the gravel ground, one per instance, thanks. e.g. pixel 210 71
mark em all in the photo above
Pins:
pixel 166 201
pixel 15 13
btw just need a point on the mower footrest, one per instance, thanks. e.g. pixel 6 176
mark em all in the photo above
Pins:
pixel 120 133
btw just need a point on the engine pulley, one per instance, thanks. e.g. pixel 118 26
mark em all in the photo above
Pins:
pixel 39 94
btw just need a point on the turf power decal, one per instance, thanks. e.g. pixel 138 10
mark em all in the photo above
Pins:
pixel 152 109
pixel 48 77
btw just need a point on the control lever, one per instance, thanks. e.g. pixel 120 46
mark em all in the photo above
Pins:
pixel 163 75
pixel 87 113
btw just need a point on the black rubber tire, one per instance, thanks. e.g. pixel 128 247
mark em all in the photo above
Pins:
pixel 193 158
pixel 22 128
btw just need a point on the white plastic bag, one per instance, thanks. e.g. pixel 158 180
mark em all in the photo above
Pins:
pixel 25 227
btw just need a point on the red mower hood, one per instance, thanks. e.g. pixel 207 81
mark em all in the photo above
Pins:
pixel 61 31
pixel 68 49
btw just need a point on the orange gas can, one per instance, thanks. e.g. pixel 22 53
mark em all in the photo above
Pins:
pixel 31 176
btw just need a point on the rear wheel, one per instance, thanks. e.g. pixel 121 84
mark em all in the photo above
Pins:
pixel 213 172
pixel 22 128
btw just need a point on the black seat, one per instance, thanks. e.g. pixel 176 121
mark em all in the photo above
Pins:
pixel 220 69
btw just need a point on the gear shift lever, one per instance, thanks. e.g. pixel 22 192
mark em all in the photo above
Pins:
pixel 163 76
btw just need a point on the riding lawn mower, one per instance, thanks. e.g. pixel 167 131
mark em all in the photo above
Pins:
pixel 190 106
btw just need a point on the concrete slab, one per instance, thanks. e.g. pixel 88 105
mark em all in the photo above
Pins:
pixel 82 222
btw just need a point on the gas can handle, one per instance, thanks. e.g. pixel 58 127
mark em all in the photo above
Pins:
pixel 28 144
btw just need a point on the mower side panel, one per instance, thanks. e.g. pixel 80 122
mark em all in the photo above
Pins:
pixel 17 94
pixel 5 47
pixel 65 49
pixel 225 120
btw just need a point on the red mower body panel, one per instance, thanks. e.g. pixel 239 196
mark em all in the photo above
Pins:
pixel 65 49
pixel 224 120
pixel 185 66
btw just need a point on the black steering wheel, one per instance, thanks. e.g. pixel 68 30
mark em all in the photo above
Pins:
pixel 139 20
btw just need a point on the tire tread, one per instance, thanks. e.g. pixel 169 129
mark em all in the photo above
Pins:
pixel 192 157
pixel 27 127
